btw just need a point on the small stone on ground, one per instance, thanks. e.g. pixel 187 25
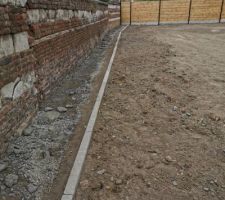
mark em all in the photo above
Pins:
pixel 61 109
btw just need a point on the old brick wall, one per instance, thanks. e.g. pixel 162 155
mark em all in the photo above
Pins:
pixel 39 41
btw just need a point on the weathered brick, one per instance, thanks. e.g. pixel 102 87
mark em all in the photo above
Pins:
pixel 20 41
pixel 33 16
pixel 6 45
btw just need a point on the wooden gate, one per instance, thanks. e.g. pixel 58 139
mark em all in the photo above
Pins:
pixel 172 12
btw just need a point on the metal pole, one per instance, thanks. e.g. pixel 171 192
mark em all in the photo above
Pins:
pixel 160 1
pixel 221 11
pixel 189 15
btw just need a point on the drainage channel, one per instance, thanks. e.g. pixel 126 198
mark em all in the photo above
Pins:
pixel 75 173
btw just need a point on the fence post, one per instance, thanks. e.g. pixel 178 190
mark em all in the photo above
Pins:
pixel 131 11
pixel 120 13
pixel 221 11
pixel 160 1
pixel 189 15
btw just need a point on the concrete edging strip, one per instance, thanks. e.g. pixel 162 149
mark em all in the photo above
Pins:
pixel 75 173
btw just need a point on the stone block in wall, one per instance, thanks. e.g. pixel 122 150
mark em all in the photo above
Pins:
pixel 33 16
pixel 99 13
pixel 88 16
pixel 6 45
pixel 17 88
pixel 80 14
pixel 43 15
pixel 51 14
pixel 59 14
pixel 7 90
pixel 21 41
pixel 5 2
pixel 66 14
pixel 106 12
pixel 20 3
pixel 71 14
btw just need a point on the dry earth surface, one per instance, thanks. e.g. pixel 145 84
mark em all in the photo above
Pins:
pixel 160 133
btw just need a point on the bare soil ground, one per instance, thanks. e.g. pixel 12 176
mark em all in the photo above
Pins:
pixel 160 133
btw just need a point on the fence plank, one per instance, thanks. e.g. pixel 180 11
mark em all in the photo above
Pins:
pixel 205 10
pixel 125 15
pixel 174 11
pixel 145 12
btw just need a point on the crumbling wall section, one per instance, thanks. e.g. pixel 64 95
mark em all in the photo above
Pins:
pixel 62 34
pixel 39 41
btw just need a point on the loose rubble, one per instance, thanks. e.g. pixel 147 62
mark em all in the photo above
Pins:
pixel 61 109
pixel 10 180
pixel 3 166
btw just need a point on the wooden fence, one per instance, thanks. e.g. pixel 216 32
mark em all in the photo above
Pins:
pixel 173 11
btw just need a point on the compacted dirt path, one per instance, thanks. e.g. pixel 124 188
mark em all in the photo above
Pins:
pixel 160 133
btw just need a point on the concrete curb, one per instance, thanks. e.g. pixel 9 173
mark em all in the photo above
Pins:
pixel 73 180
